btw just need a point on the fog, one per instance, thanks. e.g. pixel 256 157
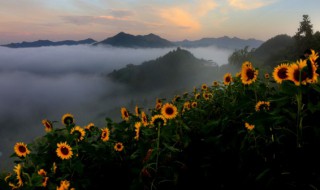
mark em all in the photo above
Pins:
pixel 47 82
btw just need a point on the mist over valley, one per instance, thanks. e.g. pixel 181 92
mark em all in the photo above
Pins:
pixel 47 82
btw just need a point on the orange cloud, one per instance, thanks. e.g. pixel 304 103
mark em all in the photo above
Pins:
pixel 249 4
pixel 180 18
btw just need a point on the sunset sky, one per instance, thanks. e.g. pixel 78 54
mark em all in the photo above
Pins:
pixel 175 20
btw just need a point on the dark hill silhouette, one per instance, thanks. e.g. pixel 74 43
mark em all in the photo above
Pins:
pixel 222 42
pixel 41 43
pixel 178 69
pixel 127 40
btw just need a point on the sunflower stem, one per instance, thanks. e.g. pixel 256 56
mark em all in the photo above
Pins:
pixel 158 145
pixel 299 119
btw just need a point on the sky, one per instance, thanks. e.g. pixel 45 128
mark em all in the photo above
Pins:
pixel 174 20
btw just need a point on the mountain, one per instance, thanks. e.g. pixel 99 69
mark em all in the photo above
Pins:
pixel 222 42
pixel 143 41
pixel 41 43
pixel 176 70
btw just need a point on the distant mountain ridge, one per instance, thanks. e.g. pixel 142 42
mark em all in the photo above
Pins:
pixel 151 40
pixel 222 42
pixel 41 43
pixel 143 41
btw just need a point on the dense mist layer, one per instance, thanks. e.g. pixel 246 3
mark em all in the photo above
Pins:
pixel 47 82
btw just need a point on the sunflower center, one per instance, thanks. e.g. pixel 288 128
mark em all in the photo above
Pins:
pixel 64 150
pixel 250 74
pixel 68 120
pixel 169 111
pixel 77 134
pixel 22 149
pixel 227 79
pixel 104 134
pixel 282 73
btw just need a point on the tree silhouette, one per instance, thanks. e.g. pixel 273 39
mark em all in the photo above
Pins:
pixel 304 35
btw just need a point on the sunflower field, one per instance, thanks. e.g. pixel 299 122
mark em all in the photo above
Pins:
pixel 253 130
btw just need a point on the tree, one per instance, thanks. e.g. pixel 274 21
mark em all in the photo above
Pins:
pixel 304 35
pixel 239 56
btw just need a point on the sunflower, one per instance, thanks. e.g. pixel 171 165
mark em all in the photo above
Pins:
pixel 144 118
pixel 137 127
pixel 197 96
pixel 64 151
pixel 21 149
pixel 158 105
pixel 43 174
pixel 89 127
pixel 67 119
pixel 54 167
pixel 105 134
pixel 187 105
pixel 207 95
pixel 118 147
pixel 169 111
pixel 280 72
pixel 176 98
pixel 215 83
pixel 314 66
pixel 204 87
pixel 194 104
pixel 47 125
pixel 266 76
pixel 262 105
pixel 227 79
pixel 248 73
pixel 158 120
pixel 249 127
pixel 124 114
pixel 17 169
pixel 64 185
pixel 78 132
pixel 297 74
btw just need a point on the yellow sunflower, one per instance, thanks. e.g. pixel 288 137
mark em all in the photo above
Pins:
pixel 158 120
pixel 266 76
pixel 118 147
pixel 262 105
pixel 54 167
pixel 47 125
pixel 64 151
pixel 169 111
pixel 144 118
pixel 67 119
pixel 64 185
pixel 78 132
pixel 21 149
pixel 124 114
pixel 249 127
pixel 105 134
pixel 137 127
pixel 176 98
pixel 45 179
pixel 158 105
pixel 248 73
pixel 90 126
pixel 137 111
pixel 187 105
pixel 17 169
pixel 204 87
pixel 296 73
pixel 280 72
pixel 314 66
pixel 197 96
pixel 227 79
pixel 194 104
pixel 215 83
